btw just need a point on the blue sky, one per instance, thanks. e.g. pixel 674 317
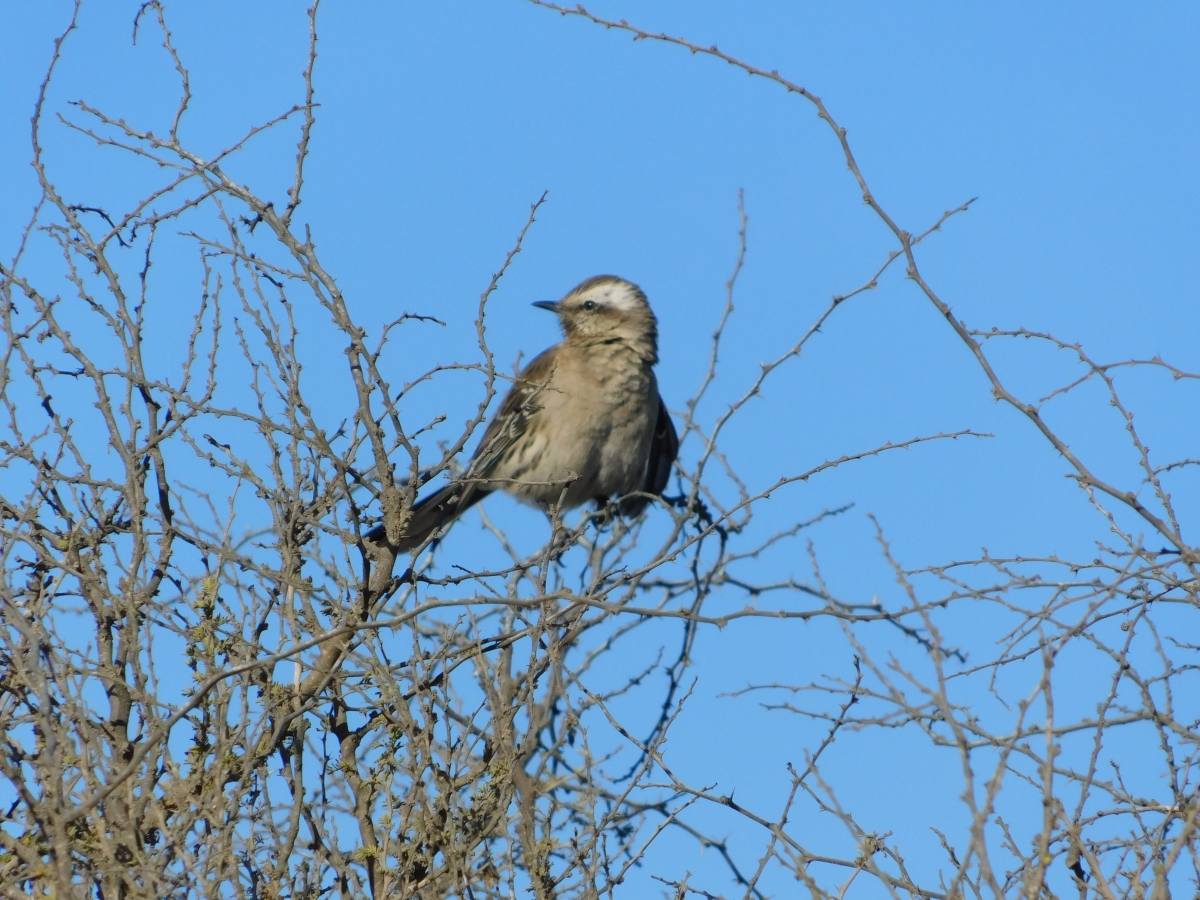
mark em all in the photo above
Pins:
pixel 1076 125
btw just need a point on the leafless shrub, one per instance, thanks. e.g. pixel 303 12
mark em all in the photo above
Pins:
pixel 191 505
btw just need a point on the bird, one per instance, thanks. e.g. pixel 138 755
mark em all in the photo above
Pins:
pixel 583 421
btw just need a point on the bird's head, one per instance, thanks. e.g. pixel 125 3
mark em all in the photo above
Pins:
pixel 607 309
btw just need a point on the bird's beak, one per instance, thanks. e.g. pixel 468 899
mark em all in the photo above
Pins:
pixel 551 305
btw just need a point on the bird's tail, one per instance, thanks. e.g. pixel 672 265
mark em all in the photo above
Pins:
pixel 431 513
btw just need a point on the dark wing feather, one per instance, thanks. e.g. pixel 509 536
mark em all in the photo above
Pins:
pixel 664 447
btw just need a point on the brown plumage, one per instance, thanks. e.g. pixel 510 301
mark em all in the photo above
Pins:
pixel 584 420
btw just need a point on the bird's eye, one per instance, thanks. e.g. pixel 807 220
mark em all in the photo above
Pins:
pixel 589 304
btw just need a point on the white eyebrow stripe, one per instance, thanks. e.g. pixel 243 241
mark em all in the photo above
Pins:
pixel 617 296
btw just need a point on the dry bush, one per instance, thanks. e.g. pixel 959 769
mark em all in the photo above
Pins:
pixel 349 722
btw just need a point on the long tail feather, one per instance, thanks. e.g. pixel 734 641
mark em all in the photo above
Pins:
pixel 433 512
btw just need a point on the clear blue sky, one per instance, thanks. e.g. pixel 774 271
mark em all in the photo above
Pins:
pixel 1077 125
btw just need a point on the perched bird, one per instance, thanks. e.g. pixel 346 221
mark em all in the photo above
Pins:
pixel 584 420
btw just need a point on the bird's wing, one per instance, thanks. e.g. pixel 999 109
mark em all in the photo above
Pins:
pixel 664 447
pixel 512 419
pixel 505 429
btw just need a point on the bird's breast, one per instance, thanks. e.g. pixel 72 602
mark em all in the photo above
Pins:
pixel 594 424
